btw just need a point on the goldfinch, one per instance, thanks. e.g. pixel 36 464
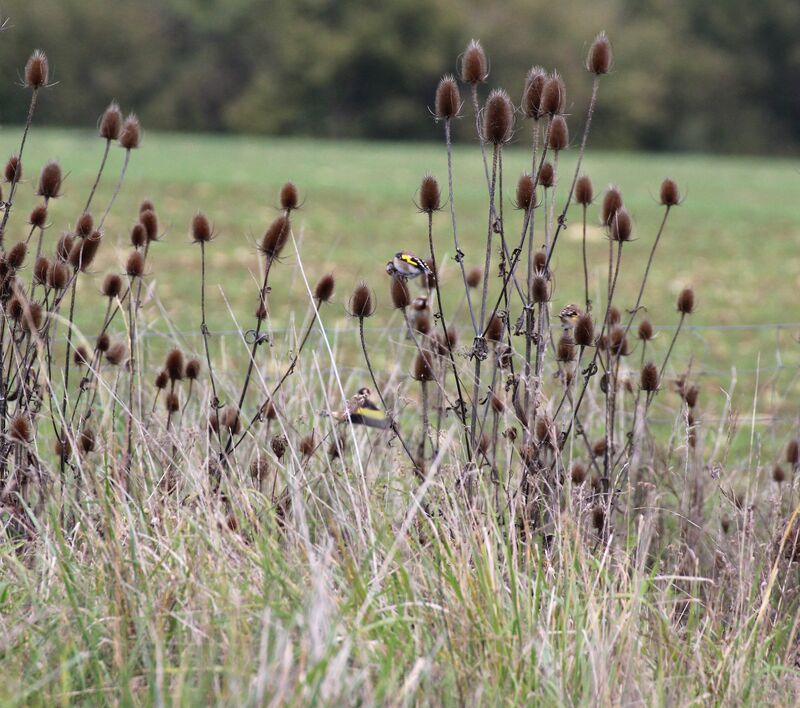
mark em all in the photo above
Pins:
pixel 569 317
pixel 406 265
pixel 360 410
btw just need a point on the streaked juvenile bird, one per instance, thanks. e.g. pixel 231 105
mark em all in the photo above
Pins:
pixel 569 317
pixel 360 410
pixel 405 264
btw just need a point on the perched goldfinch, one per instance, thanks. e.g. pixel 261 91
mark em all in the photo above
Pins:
pixel 406 265
pixel 569 317
pixel 360 410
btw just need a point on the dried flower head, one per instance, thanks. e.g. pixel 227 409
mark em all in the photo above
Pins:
pixel 37 70
pixel 649 377
pixel 146 205
pixel 584 192
pixel 85 225
pixel 162 380
pixel 578 474
pixel 621 225
pixel 474 277
pixel 401 297
pixel 495 328
pixel 526 193
pixel 138 236
pixel 32 317
pixel 324 288
pixel 201 228
pixel 111 122
pixel 618 342
pixel 547 175
pixel 174 364
pixel 600 57
pixel 289 197
pixel 307 445
pixel 598 518
pixel 554 95
pixel 423 367
pixel 532 93
pixel 103 343
pixel 116 354
pixel 131 134
pixel 422 323
pixel 565 351
pixel 40 269
pixel 275 237
pixel 614 316
pixel 16 254
pixel 540 291
pixel 778 475
pixel 474 65
pixel 645 331
pixel 13 169
pixel 50 181
pixel 448 99
pixel 559 134
pixel 686 301
pixel 149 221
pixel 584 330
pixel 193 369
pixel 20 428
pixel 83 251
pixel 230 420
pixel 38 217
pixel 497 403
pixel 112 286
pixel 172 402
pixel 134 266
pixel 58 276
pixel 278 445
pixel 793 452
pixel 498 118
pixel 612 202
pixel 429 195
pixel 80 356
pixel 362 304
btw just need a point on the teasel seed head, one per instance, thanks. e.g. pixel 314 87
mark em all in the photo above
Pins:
pixel 307 445
pixel 268 411
pixel 578 474
pixel 778 475
pixel 193 369
pixel 670 194
pixel 324 288
pixel 80 356
pixel 50 181
pixel 112 286
pixel 598 518
pixel 13 169
pixel 146 205
pixel 16 307
pixel 84 250
pixel 448 99
pixel 618 342
pixel 600 56
pixel 103 343
pixel 474 277
pixel 547 175
pixel 483 443
pixel 542 430
pixel 649 377
pixel 612 202
pixel 430 199
pixel 423 367
pixel 149 221
pixel 37 70
pixel 32 320
pixel 111 122
pixel 362 304
pixel 793 453
pixel 275 237
pixel 58 276
pixel 495 328
pixel 584 330
pixel 497 403
pixel 131 133
pixel 278 445
pixel 85 225
pixel 40 269
pixel 584 192
pixel 134 266
pixel 38 217
pixel 161 380
pixel 401 297
pixel 21 429
pixel 559 134
pixel 230 420
pixel 16 255
pixel 526 194
pixel 645 332
pixel 64 246
pixel 614 316
pixel 565 351
pixel 289 197
pixel 116 354
pixel 172 402
pixel 138 236
pixel 422 324
pixel 540 261
pixel 452 335
pixel 174 365
pixel 532 93
pixel 554 95
pixel 498 118
pixel 474 65
pixel 691 395
pixel 621 226
pixel 540 291
pixel 201 228
pixel 686 301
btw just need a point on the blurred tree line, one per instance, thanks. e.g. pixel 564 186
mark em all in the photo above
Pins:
pixel 690 74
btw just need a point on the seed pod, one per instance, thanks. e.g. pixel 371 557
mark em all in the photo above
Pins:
pixel 554 95
pixel 649 377
pixel 578 474
pixel 289 197
pixel 192 369
pixel 16 307
pixel 307 445
pixel 599 448
pixel 20 428
pixel 618 341
pixel 37 70
pixel 13 169
pixel 497 404
pixel 645 331
pixel 670 195
pixel 584 192
pixel 103 343
pixel 778 475
pixel 429 195
pixel 32 317
pixel 278 445
pixel 565 351
pixel 138 236
pixel 85 225
pixel 50 181
pixel 149 220
pixel 495 328
pixel 691 396
pixel 112 286
pixel 174 364
pixel 686 301
pixel 598 518
pixel 614 316
pixel 498 118
pixel 621 226
pixel 547 175
pixel 16 255
pixel 172 402
pixel 526 194
pixel 793 453
pixel 162 380
pixel 64 246
pixel 474 277
pixel 448 99
pixel 542 431
pixel 401 297
pixel 362 303
pixel 38 217
pixel 540 261
pixel 474 66
pixel 116 354
pixel 539 289
pixel 600 56
pixel 231 421
pixel 134 266
pixel 131 134
pixel 324 289
pixel 201 228
pixel 57 276
pixel 40 270
pixel 275 237
pixel 83 251
pixel 612 202
pixel 422 324
pixel 423 367
pixel 532 93
pixel 111 122
pixel 147 205
pixel 268 411
pixel 584 330
pixel 80 356
pixel 559 134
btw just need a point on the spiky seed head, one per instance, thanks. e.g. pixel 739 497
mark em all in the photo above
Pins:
pixel 497 403
pixel 83 251
pixel 38 217
pixel 32 318
pixel 578 474
pixel 16 254
pixel 268 411
pixel 111 122
pixel 13 169
pixel 670 194
pixel 691 395
pixel 37 70
pixel 147 205
pixel 201 228
pixel 598 518
pixel 559 134
pixel 584 330
pixel 645 332
pixel 600 57
pixel 649 377
pixel 542 430
pixel 448 98
pixel 532 93
pixel 275 237
pixel 134 266
pixel 307 445
pixel 526 194
pixel 131 134
pixel 278 445
pixel 116 354
pixel 422 324
pixel 452 335
pixel 149 221
pixel 474 277
pixel 778 475
pixel 401 297
pixel 290 199
pixel 138 236
pixel 80 356
pixel 554 95
pixel 231 421
pixel 483 443
pixel 793 452
pixel 324 288
pixel 16 307
pixel 58 276
pixel 474 65
pixel 193 369
pixel 21 429
pixel 430 199
pixel 540 261
pixel 686 301
pixel 40 269
pixel 614 316
pixel 584 192
pixel 621 226
pixel 112 286
pixel 362 304
pixel 498 118
pixel 565 351
pixel 618 341
pixel 172 402
pixel 547 175
pixel 85 225
pixel 494 330
pixel 612 202
pixel 50 181
pixel 162 380
pixel 103 343
pixel 423 367
pixel 540 292
pixel 174 364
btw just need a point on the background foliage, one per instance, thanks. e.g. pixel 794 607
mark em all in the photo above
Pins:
pixel 711 75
